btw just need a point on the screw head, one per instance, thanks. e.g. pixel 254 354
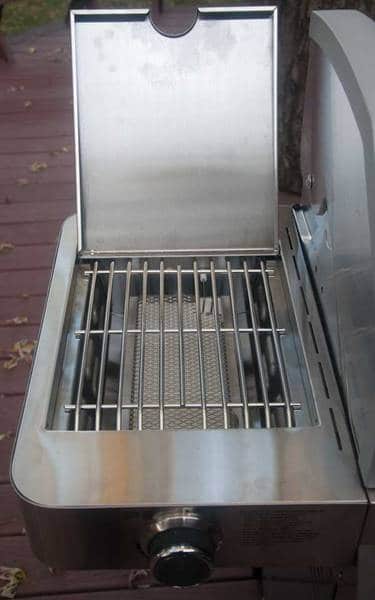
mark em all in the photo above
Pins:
pixel 309 181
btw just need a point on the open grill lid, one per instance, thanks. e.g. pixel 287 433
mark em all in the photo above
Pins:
pixel 176 148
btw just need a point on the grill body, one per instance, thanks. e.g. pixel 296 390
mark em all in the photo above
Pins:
pixel 264 488
pixel 183 408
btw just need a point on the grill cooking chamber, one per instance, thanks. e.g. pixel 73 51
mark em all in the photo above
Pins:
pixel 182 344
pixel 183 411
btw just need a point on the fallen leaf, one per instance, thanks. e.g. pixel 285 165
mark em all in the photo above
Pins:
pixel 22 351
pixel 6 247
pixel 62 150
pixel 12 577
pixel 15 88
pixel 27 103
pixel 138 579
pixel 38 166
pixel 55 51
pixel 10 364
pixel 5 436
pixel 15 321
pixel 31 50
pixel 22 181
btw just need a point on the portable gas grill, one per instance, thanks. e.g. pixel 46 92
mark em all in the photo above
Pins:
pixel 196 364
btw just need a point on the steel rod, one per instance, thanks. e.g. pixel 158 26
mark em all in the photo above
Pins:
pixel 123 345
pixel 238 347
pixel 279 330
pixel 258 352
pixel 132 406
pixel 218 343
pixel 169 271
pixel 276 341
pixel 142 349
pixel 161 346
pixel 104 351
pixel 180 336
pixel 81 379
pixel 200 346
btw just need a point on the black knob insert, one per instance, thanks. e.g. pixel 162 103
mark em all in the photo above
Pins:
pixel 181 566
pixel 181 556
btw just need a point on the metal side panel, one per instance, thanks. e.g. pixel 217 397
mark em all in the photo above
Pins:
pixel 337 223
pixel 176 146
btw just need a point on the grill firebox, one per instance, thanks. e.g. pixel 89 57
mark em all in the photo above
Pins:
pixel 181 344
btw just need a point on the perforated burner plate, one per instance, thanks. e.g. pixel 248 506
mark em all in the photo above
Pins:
pixel 180 417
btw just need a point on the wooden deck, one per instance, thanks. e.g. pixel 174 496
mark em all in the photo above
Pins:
pixel 36 194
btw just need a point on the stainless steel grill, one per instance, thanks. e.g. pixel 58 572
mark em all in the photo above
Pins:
pixel 183 411
pixel 164 344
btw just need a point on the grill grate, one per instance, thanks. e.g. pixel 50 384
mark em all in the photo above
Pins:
pixel 180 348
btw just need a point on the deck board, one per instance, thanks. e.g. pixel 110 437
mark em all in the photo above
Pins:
pixel 30 212
pixel 241 590
pixel 11 520
pixel 41 582
pixel 28 256
pixel 36 126
pixel 11 335
pixel 31 308
pixel 53 158
pixel 10 406
pixel 15 284
pixel 20 234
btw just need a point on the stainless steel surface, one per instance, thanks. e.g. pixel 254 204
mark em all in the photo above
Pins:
pixel 301 465
pixel 176 147
pixel 338 221
pixel 266 489
pixel 286 535
pixel 182 518
pixel 228 327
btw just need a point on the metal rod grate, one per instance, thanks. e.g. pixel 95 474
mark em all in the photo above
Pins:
pixel 173 348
